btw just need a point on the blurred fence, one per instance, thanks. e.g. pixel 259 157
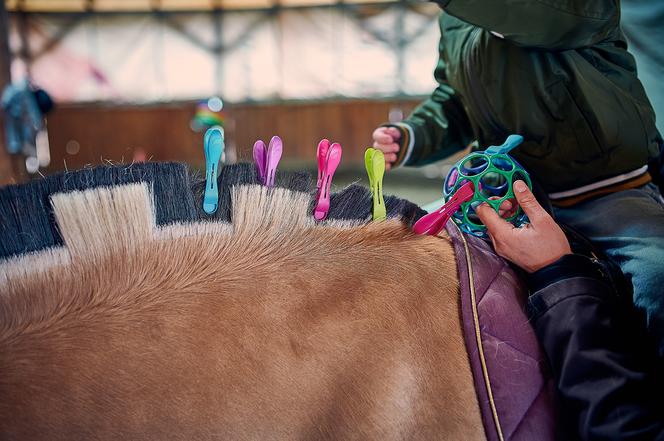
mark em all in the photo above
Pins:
pixel 84 134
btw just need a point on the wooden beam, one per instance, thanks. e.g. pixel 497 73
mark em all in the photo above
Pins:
pixel 106 6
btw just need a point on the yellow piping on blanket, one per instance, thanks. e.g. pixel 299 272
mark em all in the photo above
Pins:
pixel 478 336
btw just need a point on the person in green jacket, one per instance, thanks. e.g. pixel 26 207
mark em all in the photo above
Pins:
pixel 558 73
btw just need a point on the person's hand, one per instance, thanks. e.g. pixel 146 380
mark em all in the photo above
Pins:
pixel 386 139
pixel 534 245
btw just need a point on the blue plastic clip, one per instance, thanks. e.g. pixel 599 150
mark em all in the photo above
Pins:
pixel 511 142
pixel 214 148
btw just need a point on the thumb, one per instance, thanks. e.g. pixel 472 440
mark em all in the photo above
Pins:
pixel 496 225
pixel 528 202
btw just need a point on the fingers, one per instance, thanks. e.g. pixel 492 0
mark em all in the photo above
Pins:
pixel 496 225
pixel 394 132
pixel 529 204
pixel 386 148
pixel 389 151
pixel 386 135
pixel 386 140
pixel 382 136
pixel 506 207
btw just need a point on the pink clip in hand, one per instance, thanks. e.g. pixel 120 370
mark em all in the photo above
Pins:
pixel 330 164
pixel 434 222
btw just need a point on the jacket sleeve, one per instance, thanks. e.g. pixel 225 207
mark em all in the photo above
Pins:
pixel 603 370
pixel 438 127
pixel 545 24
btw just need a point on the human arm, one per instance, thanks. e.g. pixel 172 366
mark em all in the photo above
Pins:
pixel 596 352
pixel 437 128
pixel 602 370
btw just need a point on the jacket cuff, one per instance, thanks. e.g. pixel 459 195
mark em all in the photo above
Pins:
pixel 567 267
pixel 571 275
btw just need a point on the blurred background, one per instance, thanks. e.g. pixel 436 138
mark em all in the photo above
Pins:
pixel 136 80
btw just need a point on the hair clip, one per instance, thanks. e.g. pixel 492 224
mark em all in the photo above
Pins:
pixel 434 222
pixel 374 161
pixel 267 159
pixel 328 161
pixel 213 144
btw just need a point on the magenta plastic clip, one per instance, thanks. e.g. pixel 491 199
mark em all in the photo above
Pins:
pixel 434 222
pixel 267 159
pixel 321 154
pixel 329 157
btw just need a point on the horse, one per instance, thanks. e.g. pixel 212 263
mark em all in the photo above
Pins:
pixel 126 312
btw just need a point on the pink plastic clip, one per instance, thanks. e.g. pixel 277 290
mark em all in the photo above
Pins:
pixel 267 159
pixel 321 154
pixel 329 157
pixel 434 222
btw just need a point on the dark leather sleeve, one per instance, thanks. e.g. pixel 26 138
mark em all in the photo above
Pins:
pixel 605 376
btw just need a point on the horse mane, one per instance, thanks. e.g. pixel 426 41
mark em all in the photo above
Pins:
pixel 94 212
pixel 29 225
pixel 102 221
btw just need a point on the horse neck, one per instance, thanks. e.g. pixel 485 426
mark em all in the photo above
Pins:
pixel 271 325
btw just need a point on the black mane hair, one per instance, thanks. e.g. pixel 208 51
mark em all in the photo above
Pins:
pixel 27 222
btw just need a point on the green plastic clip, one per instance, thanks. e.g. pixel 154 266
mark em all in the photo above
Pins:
pixel 374 161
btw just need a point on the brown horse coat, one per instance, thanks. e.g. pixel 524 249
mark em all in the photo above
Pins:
pixel 269 328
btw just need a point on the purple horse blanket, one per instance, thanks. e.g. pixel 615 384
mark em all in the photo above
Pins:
pixel 514 387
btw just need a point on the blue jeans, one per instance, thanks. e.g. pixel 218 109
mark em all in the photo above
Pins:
pixel 629 227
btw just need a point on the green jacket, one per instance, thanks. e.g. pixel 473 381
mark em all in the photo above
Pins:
pixel 555 71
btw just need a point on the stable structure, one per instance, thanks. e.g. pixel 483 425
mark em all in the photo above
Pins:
pixel 125 72
pixel 168 5
pixel 242 50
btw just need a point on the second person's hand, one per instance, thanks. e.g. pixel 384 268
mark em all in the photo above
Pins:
pixel 534 245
